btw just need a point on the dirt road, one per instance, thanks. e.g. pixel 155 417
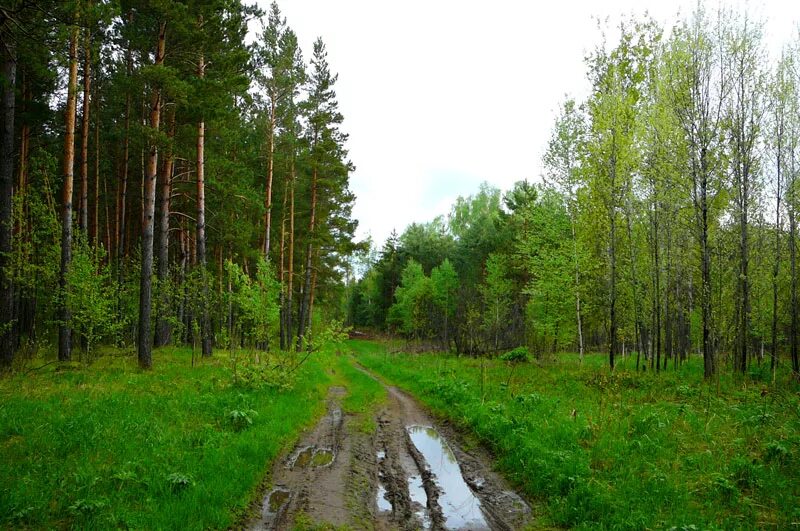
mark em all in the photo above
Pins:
pixel 409 473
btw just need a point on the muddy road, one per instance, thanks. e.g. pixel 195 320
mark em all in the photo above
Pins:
pixel 409 473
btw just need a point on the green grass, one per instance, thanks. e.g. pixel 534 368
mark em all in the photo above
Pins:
pixel 628 450
pixel 175 448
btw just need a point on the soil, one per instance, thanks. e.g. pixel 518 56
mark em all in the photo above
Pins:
pixel 410 473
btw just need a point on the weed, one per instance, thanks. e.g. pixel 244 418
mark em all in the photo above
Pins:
pixel 179 481
pixel 241 419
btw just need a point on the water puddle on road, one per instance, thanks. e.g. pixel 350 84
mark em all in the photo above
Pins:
pixel 419 500
pixel 460 508
pixel 311 456
pixel 277 498
pixel 384 505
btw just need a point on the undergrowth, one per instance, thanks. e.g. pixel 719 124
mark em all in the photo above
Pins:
pixel 179 447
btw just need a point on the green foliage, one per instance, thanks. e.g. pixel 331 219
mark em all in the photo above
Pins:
pixel 260 370
pixel 241 419
pixel 256 300
pixel 91 295
pixel 518 355
pixel 411 312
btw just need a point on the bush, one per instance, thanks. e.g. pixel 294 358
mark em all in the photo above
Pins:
pixel 518 355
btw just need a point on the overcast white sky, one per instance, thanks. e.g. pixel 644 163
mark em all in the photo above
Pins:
pixel 441 95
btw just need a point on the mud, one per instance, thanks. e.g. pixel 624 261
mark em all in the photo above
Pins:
pixel 411 473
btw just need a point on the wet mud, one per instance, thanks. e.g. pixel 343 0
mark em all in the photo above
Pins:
pixel 410 474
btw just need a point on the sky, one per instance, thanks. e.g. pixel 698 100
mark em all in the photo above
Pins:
pixel 439 96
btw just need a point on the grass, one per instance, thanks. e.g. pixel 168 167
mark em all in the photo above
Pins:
pixel 175 448
pixel 364 394
pixel 625 450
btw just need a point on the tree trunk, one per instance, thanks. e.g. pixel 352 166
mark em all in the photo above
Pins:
pixel 121 219
pixel 284 336
pixel 270 168
pixel 744 325
pixel 309 328
pixel 612 256
pixel 656 283
pixel 709 368
pixel 64 331
pixel 7 104
pixel 577 286
pixel 148 219
pixel 25 133
pixel 183 259
pixel 793 326
pixel 290 260
pixel 639 339
pixel 205 328
pixel 775 269
pixel 95 228
pixel 162 336
pixel 305 303
pixel 83 203
pixel 123 201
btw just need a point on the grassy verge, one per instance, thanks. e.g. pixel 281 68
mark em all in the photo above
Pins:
pixel 627 450
pixel 174 448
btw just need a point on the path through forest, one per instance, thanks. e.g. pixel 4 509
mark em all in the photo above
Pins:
pixel 407 473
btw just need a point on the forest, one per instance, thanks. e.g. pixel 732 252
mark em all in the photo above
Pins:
pixel 193 334
pixel 163 182
pixel 664 224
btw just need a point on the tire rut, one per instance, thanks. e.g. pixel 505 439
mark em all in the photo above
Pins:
pixel 410 474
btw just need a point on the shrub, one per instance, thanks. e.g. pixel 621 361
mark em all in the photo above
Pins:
pixel 518 355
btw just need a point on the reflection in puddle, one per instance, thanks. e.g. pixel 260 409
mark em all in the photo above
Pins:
pixel 460 508
pixel 380 454
pixel 383 504
pixel 419 500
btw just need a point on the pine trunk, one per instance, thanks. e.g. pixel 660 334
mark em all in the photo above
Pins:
pixel 123 195
pixel 290 261
pixel 9 70
pixel 205 328
pixel 270 169
pixel 306 302
pixel 83 203
pixel 64 331
pixel 148 219
pixel 95 228
pixel 162 336
pixel 284 219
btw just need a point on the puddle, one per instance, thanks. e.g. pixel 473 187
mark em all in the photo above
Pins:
pixel 381 454
pixel 419 500
pixel 322 458
pixel 460 508
pixel 303 458
pixel 310 455
pixel 277 498
pixel 384 505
